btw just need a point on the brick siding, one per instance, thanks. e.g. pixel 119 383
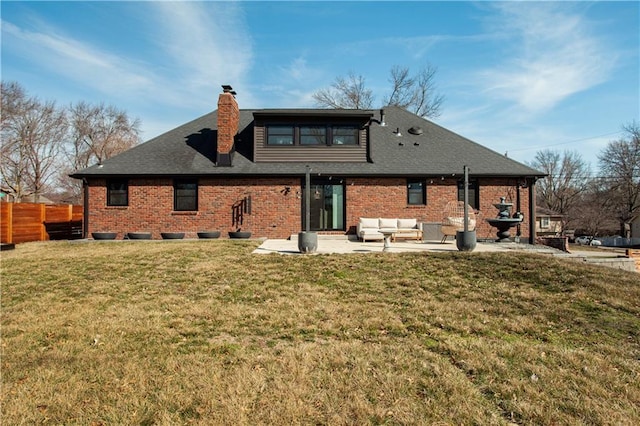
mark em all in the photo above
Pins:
pixel 228 121
pixel 276 212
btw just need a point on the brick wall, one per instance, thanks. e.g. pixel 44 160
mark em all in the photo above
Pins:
pixel 276 211
pixel 228 120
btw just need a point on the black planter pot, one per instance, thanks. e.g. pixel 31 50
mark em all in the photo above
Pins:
pixel 307 242
pixel 209 234
pixel 239 234
pixel 104 235
pixel 466 241
pixel 139 235
pixel 172 235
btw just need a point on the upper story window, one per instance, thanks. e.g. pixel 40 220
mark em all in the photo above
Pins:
pixel 344 135
pixel 416 192
pixel 117 192
pixel 185 195
pixel 312 135
pixel 280 135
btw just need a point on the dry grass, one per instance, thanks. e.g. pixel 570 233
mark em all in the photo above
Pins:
pixel 203 332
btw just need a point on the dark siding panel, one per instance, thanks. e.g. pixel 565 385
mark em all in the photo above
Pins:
pixel 339 154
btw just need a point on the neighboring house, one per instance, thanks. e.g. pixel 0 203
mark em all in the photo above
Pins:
pixel 235 168
pixel 548 222
pixel 634 227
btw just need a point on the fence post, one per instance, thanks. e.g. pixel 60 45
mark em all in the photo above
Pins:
pixel 9 221
pixel 43 216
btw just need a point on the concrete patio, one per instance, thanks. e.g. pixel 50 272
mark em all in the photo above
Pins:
pixel 336 244
pixel 328 244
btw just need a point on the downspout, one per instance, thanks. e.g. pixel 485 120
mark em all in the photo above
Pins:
pixel 532 211
pixel 85 208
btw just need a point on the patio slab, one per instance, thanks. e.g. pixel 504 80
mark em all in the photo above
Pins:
pixel 326 246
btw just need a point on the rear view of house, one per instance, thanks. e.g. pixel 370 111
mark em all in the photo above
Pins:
pixel 244 169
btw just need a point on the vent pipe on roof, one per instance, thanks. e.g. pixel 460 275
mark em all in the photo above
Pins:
pixel 382 123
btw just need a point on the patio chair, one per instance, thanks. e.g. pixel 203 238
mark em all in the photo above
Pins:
pixel 453 219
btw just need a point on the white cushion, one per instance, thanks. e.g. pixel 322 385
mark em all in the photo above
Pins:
pixel 366 222
pixel 388 223
pixel 407 223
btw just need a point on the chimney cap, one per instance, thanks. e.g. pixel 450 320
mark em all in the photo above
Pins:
pixel 228 89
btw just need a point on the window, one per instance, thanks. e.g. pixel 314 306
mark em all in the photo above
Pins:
pixel 545 222
pixel 117 192
pixel 344 135
pixel 185 195
pixel 313 135
pixel 280 135
pixel 474 193
pixel 416 192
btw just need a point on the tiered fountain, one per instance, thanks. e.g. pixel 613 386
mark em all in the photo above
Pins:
pixel 504 221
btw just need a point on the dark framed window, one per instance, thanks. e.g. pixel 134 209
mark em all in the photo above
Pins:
pixel 416 192
pixel 344 135
pixel 313 135
pixel 474 193
pixel 185 195
pixel 117 192
pixel 280 135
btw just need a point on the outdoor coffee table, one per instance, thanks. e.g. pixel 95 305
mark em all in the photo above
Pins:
pixel 388 235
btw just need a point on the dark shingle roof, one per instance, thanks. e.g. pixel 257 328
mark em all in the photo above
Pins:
pixel 189 150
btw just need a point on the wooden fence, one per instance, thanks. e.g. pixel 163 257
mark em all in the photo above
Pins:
pixel 23 222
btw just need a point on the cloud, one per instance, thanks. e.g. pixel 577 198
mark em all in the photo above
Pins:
pixel 552 55
pixel 300 71
pixel 208 43
pixel 199 45
pixel 76 60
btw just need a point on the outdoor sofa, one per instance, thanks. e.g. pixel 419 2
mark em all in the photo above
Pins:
pixel 371 229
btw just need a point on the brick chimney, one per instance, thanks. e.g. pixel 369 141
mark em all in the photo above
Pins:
pixel 228 122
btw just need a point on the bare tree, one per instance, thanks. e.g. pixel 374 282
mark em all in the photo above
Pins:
pixel 567 180
pixel 592 212
pixel 98 132
pixel 620 166
pixel 32 136
pixel 415 93
pixel 345 93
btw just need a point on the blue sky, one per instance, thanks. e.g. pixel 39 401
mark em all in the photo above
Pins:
pixel 517 77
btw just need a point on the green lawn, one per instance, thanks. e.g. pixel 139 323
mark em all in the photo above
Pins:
pixel 204 332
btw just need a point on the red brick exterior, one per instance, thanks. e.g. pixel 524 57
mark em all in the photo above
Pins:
pixel 276 212
pixel 228 121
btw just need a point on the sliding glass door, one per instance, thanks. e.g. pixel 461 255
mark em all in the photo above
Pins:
pixel 327 206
